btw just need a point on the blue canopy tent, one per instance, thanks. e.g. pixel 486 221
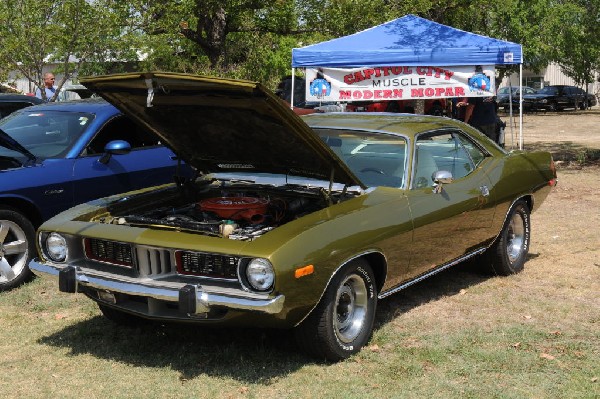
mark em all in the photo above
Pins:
pixel 409 41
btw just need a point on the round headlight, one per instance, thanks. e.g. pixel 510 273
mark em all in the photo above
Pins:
pixel 56 247
pixel 260 274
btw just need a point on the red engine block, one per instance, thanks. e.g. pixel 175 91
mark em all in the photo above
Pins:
pixel 250 209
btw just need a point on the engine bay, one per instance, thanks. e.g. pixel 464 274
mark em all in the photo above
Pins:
pixel 237 214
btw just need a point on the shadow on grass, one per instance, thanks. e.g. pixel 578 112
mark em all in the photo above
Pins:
pixel 444 284
pixel 247 355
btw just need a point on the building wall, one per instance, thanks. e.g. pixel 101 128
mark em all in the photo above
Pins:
pixel 552 75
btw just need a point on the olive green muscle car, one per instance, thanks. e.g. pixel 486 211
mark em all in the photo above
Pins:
pixel 290 222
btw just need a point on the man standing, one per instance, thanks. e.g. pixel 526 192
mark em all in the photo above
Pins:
pixel 48 87
pixel 481 114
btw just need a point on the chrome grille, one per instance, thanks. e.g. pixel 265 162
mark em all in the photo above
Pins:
pixel 205 264
pixel 117 253
pixel 152 261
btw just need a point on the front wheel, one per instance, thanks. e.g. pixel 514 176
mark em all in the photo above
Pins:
pixel 507 255
pixel 17 246
pixel 342 322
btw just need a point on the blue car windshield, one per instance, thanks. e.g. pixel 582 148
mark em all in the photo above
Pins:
pixel 45 134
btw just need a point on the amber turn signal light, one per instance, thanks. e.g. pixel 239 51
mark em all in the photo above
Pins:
pixel 304 271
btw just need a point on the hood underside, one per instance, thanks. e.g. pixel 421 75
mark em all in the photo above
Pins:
pixel 221 125
pixel 10 143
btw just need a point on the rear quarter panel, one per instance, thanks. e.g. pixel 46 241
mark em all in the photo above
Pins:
pixel 518 175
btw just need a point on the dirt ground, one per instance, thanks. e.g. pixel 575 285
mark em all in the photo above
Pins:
pixel 566 134
pixel 566 228
pixel 570 218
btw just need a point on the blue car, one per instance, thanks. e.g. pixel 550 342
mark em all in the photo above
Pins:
pixel 57 155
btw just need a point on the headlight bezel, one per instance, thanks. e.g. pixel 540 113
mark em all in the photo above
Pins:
pixel 51 250
pixel 251 281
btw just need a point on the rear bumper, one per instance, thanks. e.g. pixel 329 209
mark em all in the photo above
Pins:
pixel 191 299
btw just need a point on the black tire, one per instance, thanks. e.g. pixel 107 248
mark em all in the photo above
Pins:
pixel 342 322
pixel 553 107
pixel 583 105
pixel 17 247
pixel 507 255
pixel 122 318
pixel 436 110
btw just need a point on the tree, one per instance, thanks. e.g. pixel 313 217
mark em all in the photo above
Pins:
pixel 68 32
pixel 578 50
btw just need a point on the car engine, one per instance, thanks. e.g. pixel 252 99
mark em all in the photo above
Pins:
pixel 234 214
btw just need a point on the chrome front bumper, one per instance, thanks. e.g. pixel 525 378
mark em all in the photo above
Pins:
pixel 192 299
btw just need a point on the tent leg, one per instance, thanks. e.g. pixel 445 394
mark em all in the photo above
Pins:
pixel 520 106
pixel 292 93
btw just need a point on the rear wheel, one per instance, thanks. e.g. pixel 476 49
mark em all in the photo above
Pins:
pixel 507 255
pixel 17 246
pixel 342 322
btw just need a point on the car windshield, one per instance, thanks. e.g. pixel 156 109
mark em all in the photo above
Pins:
pixel 376 159
pixel 46 134
pixel 549 90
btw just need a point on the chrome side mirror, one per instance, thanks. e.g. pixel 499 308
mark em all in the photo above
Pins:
pixel 440 178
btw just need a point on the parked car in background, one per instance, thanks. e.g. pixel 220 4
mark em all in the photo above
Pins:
pixel 506 94
pixel 74 92
pixel 10 103
pixel 557 98
pixel 292 223
pixel 57 155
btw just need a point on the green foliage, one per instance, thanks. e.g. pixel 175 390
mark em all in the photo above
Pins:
pixel 578 47
pixel 67 32
pixel 253 39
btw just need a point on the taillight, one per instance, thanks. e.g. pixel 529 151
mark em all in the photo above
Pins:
pixel 554 181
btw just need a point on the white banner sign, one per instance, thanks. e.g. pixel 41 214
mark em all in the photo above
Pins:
pixel 399 83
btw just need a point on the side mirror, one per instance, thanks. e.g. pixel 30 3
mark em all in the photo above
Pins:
pixel 440 178
pixel 115 147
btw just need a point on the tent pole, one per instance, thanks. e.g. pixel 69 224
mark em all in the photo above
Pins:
pixel 292 93
pixel 521 106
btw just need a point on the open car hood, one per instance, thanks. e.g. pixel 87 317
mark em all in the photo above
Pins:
pixel 221 125
pixel 12 144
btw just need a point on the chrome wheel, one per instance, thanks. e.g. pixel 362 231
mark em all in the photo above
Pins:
pixel 507 255
pixel 14 251
pixel 515 237
pixel 342 322
pixel 350 308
